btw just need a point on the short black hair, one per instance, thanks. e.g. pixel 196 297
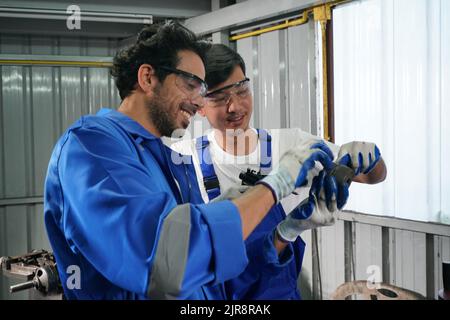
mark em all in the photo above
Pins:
pixel 220 63
pixel 157 45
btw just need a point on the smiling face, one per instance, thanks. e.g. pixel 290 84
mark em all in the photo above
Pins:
pixel 176 99
pixel 234 115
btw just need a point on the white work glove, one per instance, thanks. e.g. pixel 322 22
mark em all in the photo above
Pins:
pixel 360 156
pixel 296 168
pixel 231 193
pixel 318 210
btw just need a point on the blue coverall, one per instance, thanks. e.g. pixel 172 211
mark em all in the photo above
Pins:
pixel 117 208
pixel 277 281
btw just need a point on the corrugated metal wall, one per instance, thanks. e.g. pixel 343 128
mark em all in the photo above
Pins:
pixel 281 66
pixel 37 103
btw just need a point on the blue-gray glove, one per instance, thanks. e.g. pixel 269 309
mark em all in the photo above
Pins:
pixel 333 193
pixel 295 168
pixel 362 157
pixel 319 209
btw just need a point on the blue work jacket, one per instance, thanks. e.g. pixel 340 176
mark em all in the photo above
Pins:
pixel 126 222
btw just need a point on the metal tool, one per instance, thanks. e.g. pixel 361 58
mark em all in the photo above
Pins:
pixel 343 174
pixel 250 178
pixel 37 269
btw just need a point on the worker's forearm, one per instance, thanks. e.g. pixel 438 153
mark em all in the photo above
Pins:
pixel 253 207
pixel 376 175
pixel 278 244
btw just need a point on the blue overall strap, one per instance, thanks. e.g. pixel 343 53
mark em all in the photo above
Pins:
pixel 210 179
pixel 266 151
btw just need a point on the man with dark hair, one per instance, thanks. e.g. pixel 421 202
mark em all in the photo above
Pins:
pixel 233 148
pixel 129 219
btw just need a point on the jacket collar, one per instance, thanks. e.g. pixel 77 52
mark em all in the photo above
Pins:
pixel 126 123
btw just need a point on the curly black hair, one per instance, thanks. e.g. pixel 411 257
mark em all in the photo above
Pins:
pixel 157 46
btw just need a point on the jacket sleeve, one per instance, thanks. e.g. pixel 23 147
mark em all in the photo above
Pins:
pixel 265 265
pixel 124 220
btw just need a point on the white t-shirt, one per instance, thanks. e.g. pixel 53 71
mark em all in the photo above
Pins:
pixel 228 167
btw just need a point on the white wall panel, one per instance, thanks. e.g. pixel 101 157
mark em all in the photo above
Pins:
pixel 245 49
pixel 445 115
pixel 302 75
pixel 410 261
pixel 368 250
pixel 269 79
pixel 332 256
pixel 411 73
pixel 282 66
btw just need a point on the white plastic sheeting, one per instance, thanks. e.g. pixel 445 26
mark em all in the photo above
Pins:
pixel 392 81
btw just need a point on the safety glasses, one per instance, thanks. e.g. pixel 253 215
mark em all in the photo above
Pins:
pixel 189 83
pixel 222 97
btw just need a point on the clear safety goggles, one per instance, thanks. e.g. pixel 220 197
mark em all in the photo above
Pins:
pixel 189 83
pixel 222 97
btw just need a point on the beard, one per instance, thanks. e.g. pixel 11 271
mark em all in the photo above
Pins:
pixel 160 116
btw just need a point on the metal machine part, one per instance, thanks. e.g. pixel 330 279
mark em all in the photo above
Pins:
pixel 36 270
pixel 376 291
pixel 343 174
pixel 250 178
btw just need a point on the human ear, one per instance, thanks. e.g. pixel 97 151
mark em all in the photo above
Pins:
pixel 201 111
pixel 146 78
